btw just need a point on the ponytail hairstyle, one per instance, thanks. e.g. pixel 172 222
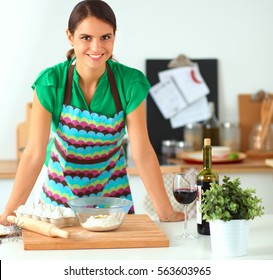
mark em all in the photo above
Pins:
pixel 84 9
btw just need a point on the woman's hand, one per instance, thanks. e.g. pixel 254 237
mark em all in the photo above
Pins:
pixel 174 217
pixel 3 220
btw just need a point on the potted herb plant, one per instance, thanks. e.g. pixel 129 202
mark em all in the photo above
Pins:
pixel 228 208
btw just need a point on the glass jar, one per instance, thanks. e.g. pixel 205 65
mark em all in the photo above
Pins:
pixel 168 148
pixel 230 136
pixel 193 133
pixel 182 146
pixel 255 141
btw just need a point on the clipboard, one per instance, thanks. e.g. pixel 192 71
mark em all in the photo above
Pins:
pixel 159 128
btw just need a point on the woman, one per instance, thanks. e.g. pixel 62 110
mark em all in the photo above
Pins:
pixel 87 100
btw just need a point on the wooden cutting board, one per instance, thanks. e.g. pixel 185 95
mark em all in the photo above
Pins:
pixel 137 231
pixel 269 162
pixel 249 115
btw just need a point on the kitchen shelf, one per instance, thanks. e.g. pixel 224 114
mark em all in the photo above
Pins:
pixel 8 169
pixel 249 165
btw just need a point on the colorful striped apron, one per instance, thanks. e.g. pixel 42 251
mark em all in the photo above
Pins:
pixel 87 158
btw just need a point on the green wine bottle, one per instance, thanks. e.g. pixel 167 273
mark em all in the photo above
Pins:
pixel 204 178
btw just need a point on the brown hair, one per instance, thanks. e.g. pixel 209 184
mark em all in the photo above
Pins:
pixel 83 9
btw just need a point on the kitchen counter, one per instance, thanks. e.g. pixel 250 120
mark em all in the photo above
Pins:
pixel 254 173
pixel 8 167
pixel 260 247
pixel 248 165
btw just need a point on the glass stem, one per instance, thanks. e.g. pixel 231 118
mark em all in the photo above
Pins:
pixel 186 219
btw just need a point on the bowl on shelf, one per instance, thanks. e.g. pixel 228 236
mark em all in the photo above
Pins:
pixel 220 151
pixel 100 213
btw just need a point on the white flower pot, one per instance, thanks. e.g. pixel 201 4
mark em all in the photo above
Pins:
pixel 229 239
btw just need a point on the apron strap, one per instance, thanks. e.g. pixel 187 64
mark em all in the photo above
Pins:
pixel 113 86
pixel 68 86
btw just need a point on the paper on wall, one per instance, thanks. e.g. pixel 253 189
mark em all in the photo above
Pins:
pixel 189 81
pixel 195 112
pixel 168 98
pixel 180 95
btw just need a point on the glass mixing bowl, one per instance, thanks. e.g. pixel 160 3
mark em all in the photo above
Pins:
pixel 100 213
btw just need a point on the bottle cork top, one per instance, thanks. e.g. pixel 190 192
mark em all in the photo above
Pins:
pixel 207 142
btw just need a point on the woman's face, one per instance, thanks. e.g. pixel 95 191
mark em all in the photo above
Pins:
pixel 93 42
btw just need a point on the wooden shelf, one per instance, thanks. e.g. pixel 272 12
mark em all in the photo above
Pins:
pixel 269 162
pixel 8 169
pixel 249 165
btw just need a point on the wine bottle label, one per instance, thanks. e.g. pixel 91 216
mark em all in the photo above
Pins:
pixel 198 205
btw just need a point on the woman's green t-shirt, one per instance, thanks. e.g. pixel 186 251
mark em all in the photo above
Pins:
pixel 132 85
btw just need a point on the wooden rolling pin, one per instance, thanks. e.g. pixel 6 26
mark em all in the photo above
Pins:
pixel 38 226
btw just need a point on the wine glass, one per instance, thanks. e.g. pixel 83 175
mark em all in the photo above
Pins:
pixel 185 192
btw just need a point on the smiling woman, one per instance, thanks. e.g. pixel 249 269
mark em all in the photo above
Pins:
pixel 33 40
pixel 87 101
pixel 92 37
pixel 93 42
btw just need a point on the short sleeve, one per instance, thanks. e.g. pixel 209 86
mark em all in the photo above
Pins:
pixel 50 89
pixel 46 88
pixel 137 91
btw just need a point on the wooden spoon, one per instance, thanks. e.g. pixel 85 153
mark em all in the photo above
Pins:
pixel 266 116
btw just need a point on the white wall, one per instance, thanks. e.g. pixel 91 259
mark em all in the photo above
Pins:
pixel 239 33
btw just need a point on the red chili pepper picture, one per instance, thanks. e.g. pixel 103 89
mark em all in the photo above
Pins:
pixel 194 77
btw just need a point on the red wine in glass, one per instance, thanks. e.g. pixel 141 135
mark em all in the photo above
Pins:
pixel 185 192
pixel 185 196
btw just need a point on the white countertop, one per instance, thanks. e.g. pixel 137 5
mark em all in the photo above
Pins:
pixel 260 247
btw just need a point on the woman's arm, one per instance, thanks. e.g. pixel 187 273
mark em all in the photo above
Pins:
pixel 148 166
pixel 32 159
